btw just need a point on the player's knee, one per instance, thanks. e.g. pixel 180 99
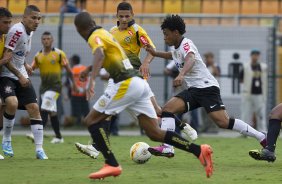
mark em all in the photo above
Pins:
pixel 11 102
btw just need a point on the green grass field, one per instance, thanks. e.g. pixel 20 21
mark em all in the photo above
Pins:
pixel 67 166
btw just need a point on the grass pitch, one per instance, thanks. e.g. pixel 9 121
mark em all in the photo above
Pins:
pixel 67 166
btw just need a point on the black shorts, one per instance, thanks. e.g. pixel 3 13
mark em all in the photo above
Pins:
pixel 12 87
pixel 209 98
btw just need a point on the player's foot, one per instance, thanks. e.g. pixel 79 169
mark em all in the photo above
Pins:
pixel 56 140
pixel 162 150
pixel 40 154
pixel 1 157
pixel 30 137
pixel 7 149
pixel 206 159
pixel 88 150
pixel 263 154
pixel 190 132
pixel 106 171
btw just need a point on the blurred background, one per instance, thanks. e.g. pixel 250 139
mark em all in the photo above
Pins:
pixel 229 29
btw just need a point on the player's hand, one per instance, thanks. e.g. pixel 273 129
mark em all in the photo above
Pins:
pixel 83 75
pixel 178 81
pixel 24 81
pixel 145 70
pixel 90 90
pixel 28 69
pixel 150 49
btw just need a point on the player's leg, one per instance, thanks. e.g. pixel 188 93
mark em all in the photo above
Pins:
pixel 260 112
pixel 202 152
pixel 274 127
pixel 1 121
pixel 7 88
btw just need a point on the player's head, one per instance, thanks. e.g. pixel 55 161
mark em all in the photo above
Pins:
pixel 47 39
pixel 84 23
pixel 124 14
pixel 5 20
pixel 31 18
pixel 75 60
pixel 173 28
pixel 255 54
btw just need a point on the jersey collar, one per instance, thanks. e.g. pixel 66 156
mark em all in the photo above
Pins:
pixel 129 23
pixel 92 30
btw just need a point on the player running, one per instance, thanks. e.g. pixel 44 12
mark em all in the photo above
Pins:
pixel 203 89
pixel 129 92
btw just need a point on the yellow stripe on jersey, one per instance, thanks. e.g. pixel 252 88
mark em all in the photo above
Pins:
pixel 2 45
pixel 122 89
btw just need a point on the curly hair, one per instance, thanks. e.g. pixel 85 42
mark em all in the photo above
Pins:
pixel 174 22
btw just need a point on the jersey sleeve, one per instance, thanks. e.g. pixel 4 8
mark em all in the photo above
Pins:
pixel 144 38
pixel 186 47
pixel 64 59
pixel 13 38
pixel 95 42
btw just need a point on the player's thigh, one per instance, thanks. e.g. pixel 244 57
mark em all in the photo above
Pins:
pixel 276 112
pixel 175 105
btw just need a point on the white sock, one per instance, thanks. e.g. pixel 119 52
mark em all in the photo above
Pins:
pixel 168 123
pixel 37 131
pixel 8 126
pixel 245 129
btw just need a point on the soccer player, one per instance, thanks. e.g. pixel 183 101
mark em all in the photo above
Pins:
pixel 5 23
pixel 132 38
pixel 50 61
pixel 16 88
pixel 274 127
pixel 203 89
pixel 129 92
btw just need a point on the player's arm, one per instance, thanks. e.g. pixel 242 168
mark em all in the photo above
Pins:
pixel 97 64
pixel 189 62
pixel 153 52
pixel 28 68
pixel 7 57
pixel 70 75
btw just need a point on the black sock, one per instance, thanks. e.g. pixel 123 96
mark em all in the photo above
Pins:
pixel 179 123
pixel 274 127
pixel 44 116
pixel 231 123
pixel 8 116
pixel 102 143
pixel 1 128
pixel 107 127
pixel 176 140
pixel 56 126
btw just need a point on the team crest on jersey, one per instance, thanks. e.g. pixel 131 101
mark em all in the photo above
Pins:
pixel 130 32
pixel 102 103
pixel 127 39
pixel 8 89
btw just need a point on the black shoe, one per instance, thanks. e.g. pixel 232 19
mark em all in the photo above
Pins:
pixel 263 154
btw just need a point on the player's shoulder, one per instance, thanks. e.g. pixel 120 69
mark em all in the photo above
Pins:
pixel 58 51
pixel 18 27
pixel 113 29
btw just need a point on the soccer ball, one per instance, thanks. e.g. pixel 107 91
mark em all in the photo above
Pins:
pixel 139 152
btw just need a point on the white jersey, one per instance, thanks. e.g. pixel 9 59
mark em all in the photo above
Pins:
pixel 20 43
pixel 199 76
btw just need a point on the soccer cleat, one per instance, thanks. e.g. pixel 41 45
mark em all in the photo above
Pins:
pixel 30 137
pixel 106 171
pixel 190 132
pixel 40 154
pixel 88 150
pixel 7 149
pixel 206 159
pixel 56 140
pixel 162 150
pixel 1 157
pixel 263 154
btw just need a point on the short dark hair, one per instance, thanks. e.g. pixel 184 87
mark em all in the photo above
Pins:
pixel 84 20
pixel 28 9
pixel 75 59
pixel 174 22
pixel 124 6
pixel 255 51
pixel 47 33
pixel 4 12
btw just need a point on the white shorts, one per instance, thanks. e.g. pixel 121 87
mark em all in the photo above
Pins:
pixel 132 94
pixel 49 101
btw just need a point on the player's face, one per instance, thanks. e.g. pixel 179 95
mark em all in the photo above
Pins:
pixel 5 24
pixel 32 20
pixel 47 40
pixel 124 16
pixel 169 37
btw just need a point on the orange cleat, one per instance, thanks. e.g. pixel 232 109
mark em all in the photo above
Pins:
pixel 206 159
pixel 106 171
